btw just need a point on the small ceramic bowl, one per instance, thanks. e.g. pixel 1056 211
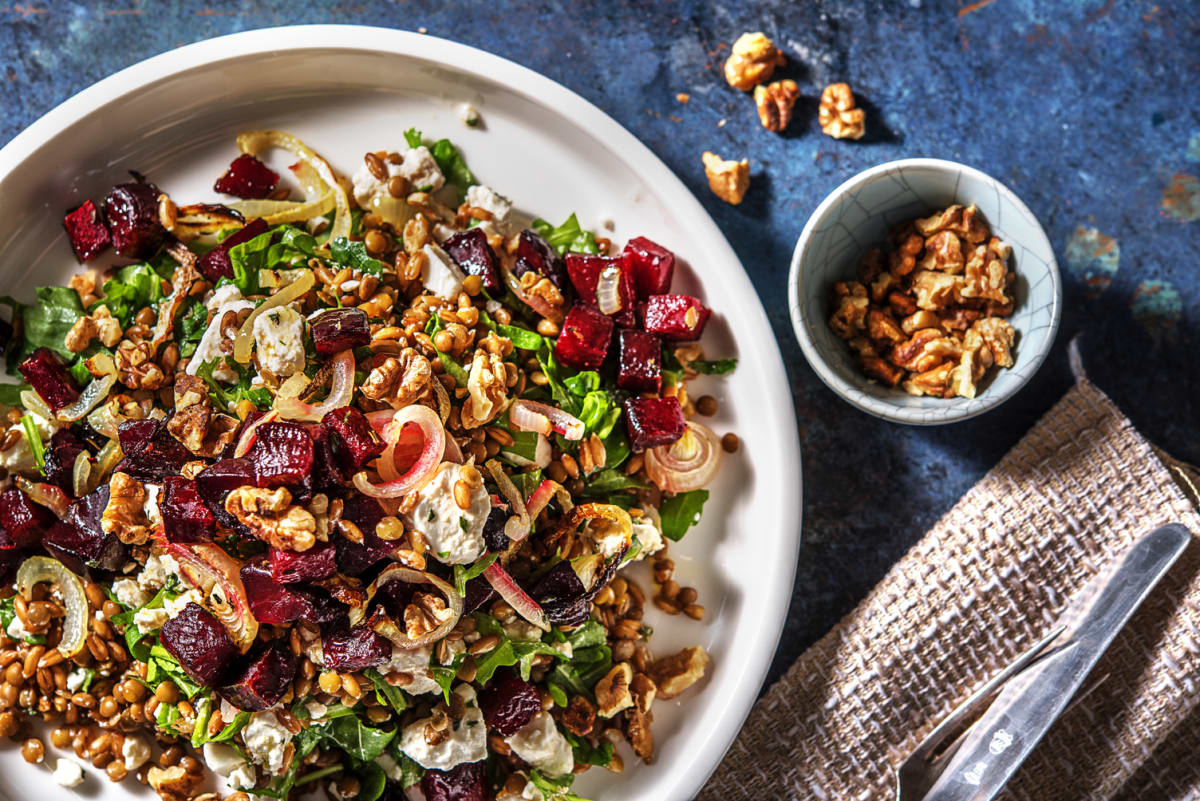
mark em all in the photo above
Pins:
pixel 856 217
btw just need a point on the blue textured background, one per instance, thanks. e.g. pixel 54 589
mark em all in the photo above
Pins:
pixel 1087 109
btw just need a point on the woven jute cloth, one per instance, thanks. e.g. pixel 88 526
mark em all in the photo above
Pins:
pixel 985 583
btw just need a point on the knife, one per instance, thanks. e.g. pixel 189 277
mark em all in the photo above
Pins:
pixel 996 745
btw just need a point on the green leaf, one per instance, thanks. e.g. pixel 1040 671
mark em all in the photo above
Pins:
pixel 248 258
pixel 567 236
pixel 523 450
pixel 372 780
pixel 10 394
pixel 586 636
pixel 356 738
pixel 354 254
pixel 131 289
pixel 34 438
pixel 555 789
pixel 717 367
pixel 412 137
pixel 463 575
pixel 48 321
pixel 386 694
pixel 522 338
pixel 583 382
pixel 681 512
pixel 557 694
pixel 611 480
pixel 452 164
pixel 190 325
pixel 586 754
pixel 452 367
pixel 672 370
pixel 410 771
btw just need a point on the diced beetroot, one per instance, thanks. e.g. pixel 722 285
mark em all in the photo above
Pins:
pixel 215 264
pixel 471 251
pixel 639 361
pixel 651 422
pixel 464 782
pixel 132 214
pixel 10 562
pixel 151 453
pixel 584 340
pixel 186 518
pixel 493 530
pixel 200 643
pixel 355 441
pixel 86 231
pixel 326 472
pixel 653 266
pixel 318 562
pixel 248 178
pixel 49 379
pixel 535 253
pixel 508 703
pixel 22 522
pixel 80 539
pixel 355 649
pixel 218 480
pixel 336 330
pixel 274 603
pixel 263 681
pixel 282 454
pixel 479 592
pixel 353 557
pixel 585 272
pixel 62 450
pixel 676 317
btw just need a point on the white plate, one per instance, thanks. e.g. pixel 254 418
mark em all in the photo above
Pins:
pixel 346 90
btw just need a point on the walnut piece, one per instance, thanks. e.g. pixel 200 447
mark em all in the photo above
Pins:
pixel 125 513
pixel 399 380
pixel 539 286
pixel 874 365
pixel 136 368
pixel 100 324
pixel 751 61
pixel 486 388
pixel 728 180
pixel 194 423
pixel 943 251
pixel 271 517
pixel 612 691
pixel 775 102
pixel 424 613
pixel 851 313
pixel 961 220
pixel 173 783
pixel 837 114
pixel 637 732
pixel 999 336
pixel 674 674
pixel 644 691
pixel 579 717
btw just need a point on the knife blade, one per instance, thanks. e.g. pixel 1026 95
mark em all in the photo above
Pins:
pixel 996 745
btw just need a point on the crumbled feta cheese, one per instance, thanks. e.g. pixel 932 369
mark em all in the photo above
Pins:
pixel 541 744
pixel 610 542
pixel 531 793
pixel 129 593
pixel 442 232
pixel 391 768
pixel 148 620
pixel 221 759
pixel 564 648
pixel 150 508
pixel 19 457
pixel 453 535
pixel 467 741
pixel 518 629
pixel 266 738
pixel 442 275
pixel 68 773
pixel 488 199
pixel 243 778
pixel 157 571
pixel 453 649
pixel 468 114
pixel 316 710
pixel 414 663
pixel 279 341
pixel 76 679
pixel 648 533
pixel 229 293
pixel 135 751
pixel 173 606
pixel 16 629
pixel 210 344
pixel 421 170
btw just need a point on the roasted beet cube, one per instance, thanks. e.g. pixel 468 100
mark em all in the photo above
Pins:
pixel 336 330
pixel 80 539
pixel 327 471
pixel 218 480
pixel 200 643
pixel 132 214
pixel 186 518
pixel 264 680
pixel 355 649
pixel 355 442
pixel 470 249
pixel 61 452
pixel 508 703
pixel 464 782
pixel 584 340
pixel 22 522
pixel 479 592
pixel 247 177
pixel 653 266
pixel 355 557
pixel 651 422
pixel 87 232
pixel 493 530
pixel 151 453
pixel 282 454
pixel 216 264
pixel 535 253
pixel 676 317
pixel 587 272
pixel 272 602
pixel 639 361
pixel 49 379
pixel 318 562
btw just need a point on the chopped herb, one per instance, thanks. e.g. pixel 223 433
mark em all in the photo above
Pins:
pixel 354 255
pixel 463 524
pixel 717 367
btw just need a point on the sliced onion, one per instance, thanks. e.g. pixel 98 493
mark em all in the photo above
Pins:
pixel 541 496
pixel 341 392
pixel 33 403
pixel 686 464
pixel 608 290
pixel 415 441
pixel 598 511
pixel 453 453
pixel 243 344
pixel 198 219
pixel 46 495
pixel 294 386
pixel 443 400
pixel 254 142
pixel 81 473
pixel 526 415
pixel 104 372
pixel 381 623
pixel 514 596
pixel 277 212
pixel 517 526
pixel 108 458
pixel 246 441
pixel 37 569
pixel 217 574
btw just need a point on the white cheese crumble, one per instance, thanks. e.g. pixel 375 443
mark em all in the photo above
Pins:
pixel 467 741
pixel 221 759
pixel 391 768
pixel 414 663
pixel 210 344
pixel 420 169
pixel 316 710
pixel 531 793
pixel 129 593
pixel 453 535
pixel 16 629
pixel 266 738
pixel 279 341
pixel 173 606
pixel 468 114
pixel 488 199
pixel 541 744
pixel 19 457
pixel 76 679
pixel 148 620
pixel 68 773
pixel 157 571
pixel 135 751
pixel 442 275
pixel 150 508
pixel 519 630
pixel 649 536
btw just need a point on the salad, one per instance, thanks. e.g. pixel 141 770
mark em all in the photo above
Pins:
pixel 333 486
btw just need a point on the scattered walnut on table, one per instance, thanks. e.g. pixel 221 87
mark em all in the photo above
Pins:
pixel 751 61
pixel 728 180
pixel 775 101
pixel 837 114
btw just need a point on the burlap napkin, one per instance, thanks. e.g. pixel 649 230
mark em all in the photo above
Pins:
pixel 986 582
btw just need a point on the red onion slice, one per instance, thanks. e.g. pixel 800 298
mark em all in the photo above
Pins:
pixel 380 622
pixel 218 576
pixel 541 496
pixel 525 415
pixel 516 597
pixel 341 392
pixel 687 464
pixel 416 442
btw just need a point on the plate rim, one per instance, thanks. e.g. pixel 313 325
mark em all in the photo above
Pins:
pixel 690 773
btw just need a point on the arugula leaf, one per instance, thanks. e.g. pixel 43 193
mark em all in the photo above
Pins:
pixel 583 382
pixel 10 394
pixel 386 694
pixel 611 480
pixel 452 164
pixel 190 325
pixel 8 613
pixel 522 338
pixel 716 367
pixel 372 780
pixel 567 236
pixel 558 694
pixel 227 399
pixel 130 289
pixel 410 771
pixel 558 390
pixel 48 321
pixel 616 447
pixel 555 789
pixel 586 636
pixel 354 254
pixel 161 662
pixel 527 482
pixel 34 438
pixel 681 512
pixel 412 137
pixel 464 574
pixel 451 366
pixel 586 754
pixel 523 450
pixel 247 259
pixel 356 738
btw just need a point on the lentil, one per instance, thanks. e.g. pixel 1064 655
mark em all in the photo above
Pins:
pixel 730 442
pixel 707 405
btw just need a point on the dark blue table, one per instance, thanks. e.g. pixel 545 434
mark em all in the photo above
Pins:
pixel 1088 109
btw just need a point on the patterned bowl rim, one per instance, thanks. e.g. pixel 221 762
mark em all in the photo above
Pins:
pixel 882 407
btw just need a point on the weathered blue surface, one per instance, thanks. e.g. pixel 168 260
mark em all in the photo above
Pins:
pixel 1089 110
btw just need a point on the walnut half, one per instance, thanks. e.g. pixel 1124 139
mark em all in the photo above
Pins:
pixel 751 61
pixel 837 114
pixel 125 513
pixel 612 691
pixel 674 674
pixel 775 102
pixel 270 516
pixel 728 180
